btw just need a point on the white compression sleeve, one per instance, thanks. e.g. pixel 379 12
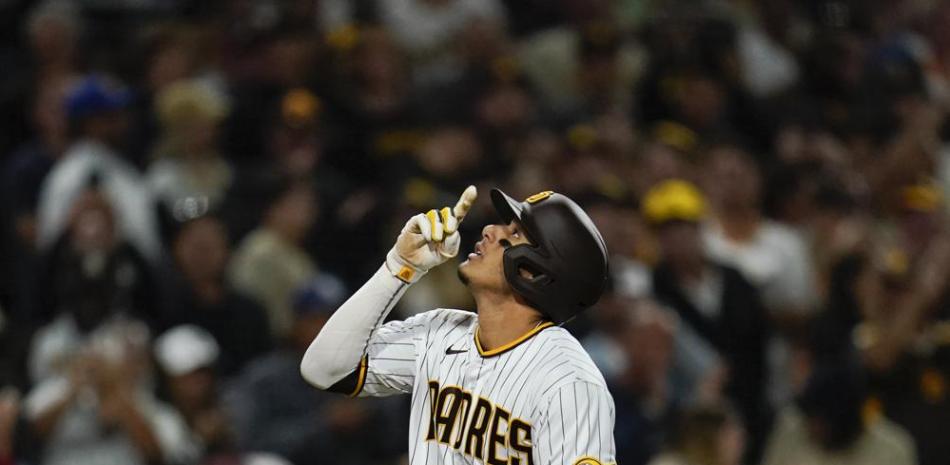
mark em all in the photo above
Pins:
pixel 342 342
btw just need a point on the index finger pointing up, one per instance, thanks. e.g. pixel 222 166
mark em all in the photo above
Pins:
pixel 465 202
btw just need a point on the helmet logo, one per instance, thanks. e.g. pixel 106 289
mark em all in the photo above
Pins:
pixel 539 196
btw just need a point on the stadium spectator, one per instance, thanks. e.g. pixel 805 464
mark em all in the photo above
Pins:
pixel 95 109
pixel 765 47
pixel 48 51
pixel 292 148
pixel 646 401
pixel 200 295
pixel 297 149
pixel 275 410
pixel 432 30
pixel 90 279
pixel 270 263
pixel 20 179
pixel 295 144
pixel 379 115
pixel 97 408
pixel 167 54
pixel 347 422
pixel 29 164
pixel 187 356
pixel 713 300
pixel 769 255
pixel 188 166
pixel 630 244
pixel 582 69
pixel 706 435
pixel 901 309
pixel 829 425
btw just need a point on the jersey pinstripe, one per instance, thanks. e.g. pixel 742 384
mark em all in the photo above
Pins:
pixel 539 400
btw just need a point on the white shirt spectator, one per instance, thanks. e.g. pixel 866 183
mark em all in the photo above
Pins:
pixel 426 25
pixel 767 67
pixel 182 187
pixel 80 439
pixel 775 260
pixel 550 60
pixel 120 182
pixel 429 30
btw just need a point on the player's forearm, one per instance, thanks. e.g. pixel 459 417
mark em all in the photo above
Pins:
pixel 427 240
pixel 341 344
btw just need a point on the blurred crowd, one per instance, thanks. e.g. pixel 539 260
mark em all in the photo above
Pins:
pixel 188 189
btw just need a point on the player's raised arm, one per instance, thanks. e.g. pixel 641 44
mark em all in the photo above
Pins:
pixel 336 359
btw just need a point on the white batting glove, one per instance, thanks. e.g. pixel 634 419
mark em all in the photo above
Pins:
pixel 429 239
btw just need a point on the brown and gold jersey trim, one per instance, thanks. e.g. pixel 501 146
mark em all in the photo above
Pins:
pixel 512 344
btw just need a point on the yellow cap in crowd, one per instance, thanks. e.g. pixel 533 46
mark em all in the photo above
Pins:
pixel 187 101
pixel 673 200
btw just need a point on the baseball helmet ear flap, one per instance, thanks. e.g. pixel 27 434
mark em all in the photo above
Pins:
pixel 526 273
pixel 522 266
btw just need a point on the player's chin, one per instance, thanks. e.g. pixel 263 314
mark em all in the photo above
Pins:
pixel 462 272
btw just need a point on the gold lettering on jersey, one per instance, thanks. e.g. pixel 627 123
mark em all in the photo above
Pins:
pixel 497 436
pixel 519 439
pixel 477 427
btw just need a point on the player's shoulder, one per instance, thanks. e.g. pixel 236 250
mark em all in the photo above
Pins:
pixel 563 342
pixel 444 319
pixel 566 361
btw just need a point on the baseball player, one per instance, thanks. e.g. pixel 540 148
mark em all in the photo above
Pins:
pixel 505 385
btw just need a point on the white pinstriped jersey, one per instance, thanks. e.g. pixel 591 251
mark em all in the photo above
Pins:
pixel 536 401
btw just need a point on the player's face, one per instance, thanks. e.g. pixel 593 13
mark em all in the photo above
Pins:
pixel 484 267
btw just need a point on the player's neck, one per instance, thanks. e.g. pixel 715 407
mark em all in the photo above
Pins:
pixel 502 320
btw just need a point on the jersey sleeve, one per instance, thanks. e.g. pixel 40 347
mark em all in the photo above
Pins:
pixel 389 366
pixel 577 426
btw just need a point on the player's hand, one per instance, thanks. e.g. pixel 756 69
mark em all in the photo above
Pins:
pixel 429 239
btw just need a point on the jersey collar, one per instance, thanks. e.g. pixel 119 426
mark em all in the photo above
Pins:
pixel 511 345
